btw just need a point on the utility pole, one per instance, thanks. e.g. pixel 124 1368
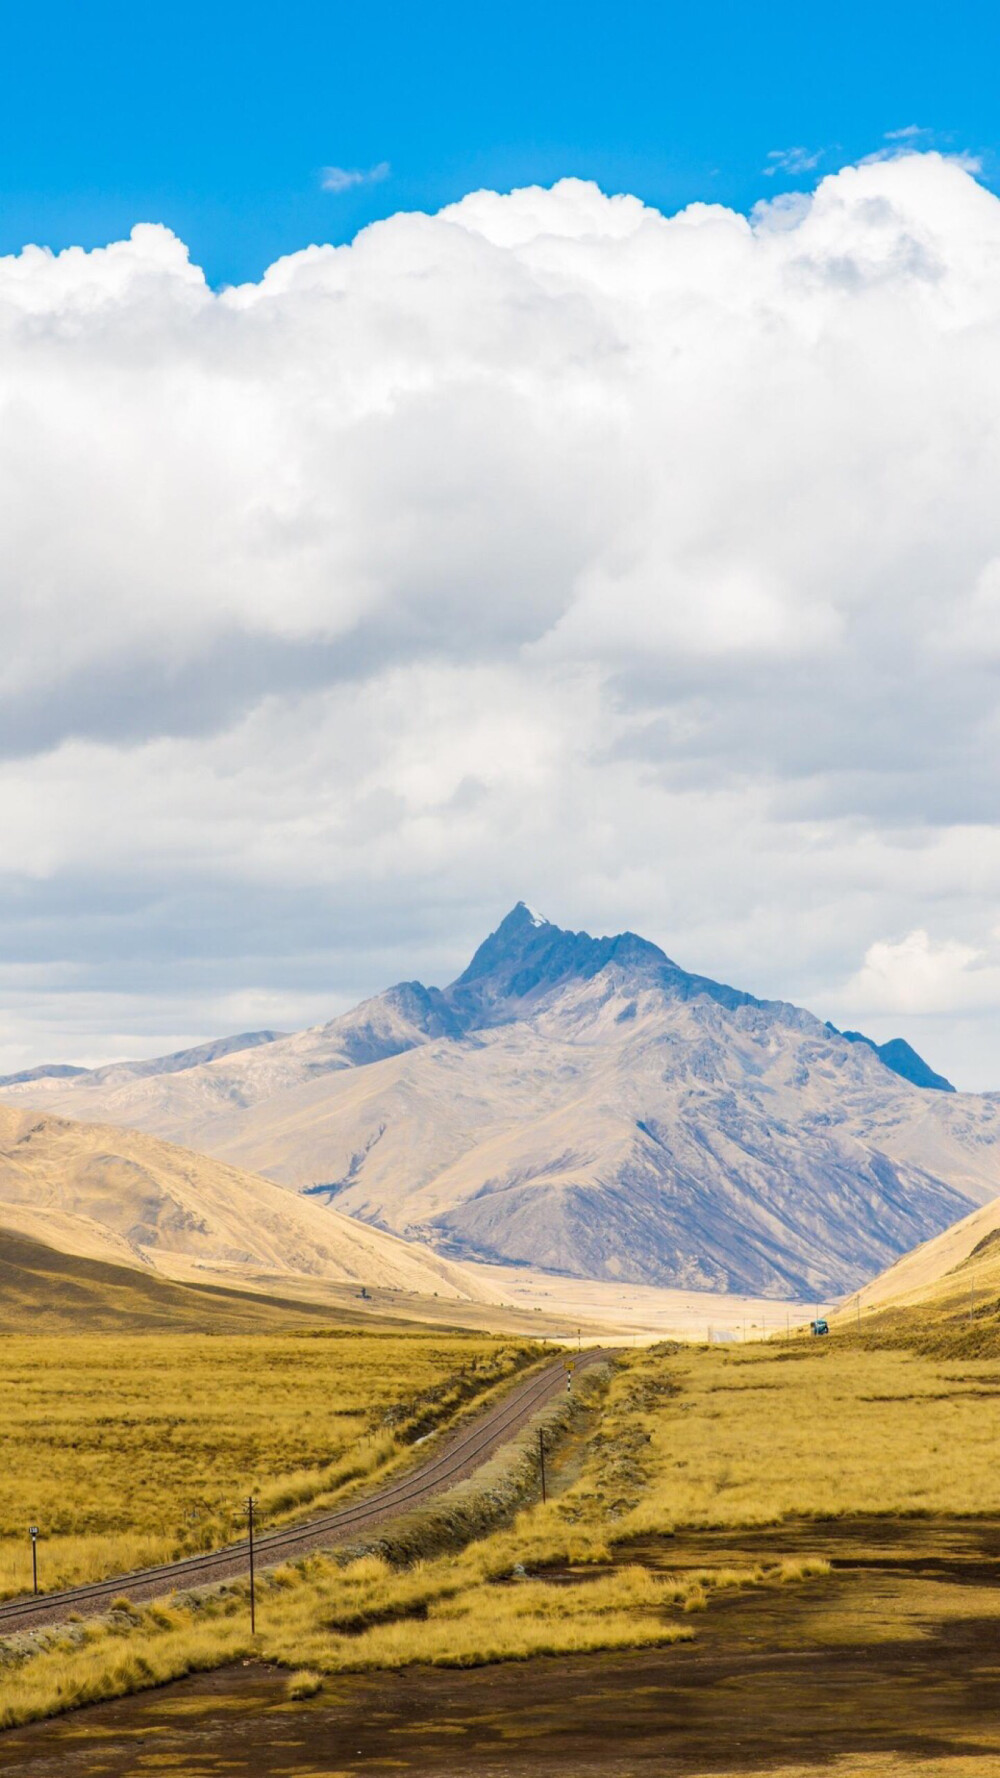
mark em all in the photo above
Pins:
pixel 33 1534
pixel 253 1599
pixel 541 1461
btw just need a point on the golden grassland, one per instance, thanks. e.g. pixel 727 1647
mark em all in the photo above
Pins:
pixel 960 1317
pixel 676 1439
pixel 811 1429
pixel 129 1450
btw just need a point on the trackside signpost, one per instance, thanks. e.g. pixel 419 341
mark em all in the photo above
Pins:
pixel 253 1601
pixel 33 1534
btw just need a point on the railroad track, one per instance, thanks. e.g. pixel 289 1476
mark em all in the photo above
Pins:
pixel 456 1458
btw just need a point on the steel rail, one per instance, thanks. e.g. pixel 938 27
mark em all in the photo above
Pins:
pixel 457 1456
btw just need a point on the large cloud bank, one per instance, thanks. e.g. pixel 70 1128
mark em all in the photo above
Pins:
pixel 647 566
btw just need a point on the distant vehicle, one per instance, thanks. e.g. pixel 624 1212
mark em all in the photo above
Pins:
pixel 818 1327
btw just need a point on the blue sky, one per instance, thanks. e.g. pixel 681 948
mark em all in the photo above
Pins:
pixel 218 119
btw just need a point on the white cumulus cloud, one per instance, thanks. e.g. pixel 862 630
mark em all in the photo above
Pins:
pixel 641 565
pixel 917 974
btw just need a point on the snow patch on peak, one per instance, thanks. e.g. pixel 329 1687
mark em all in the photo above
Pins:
pixel 534 916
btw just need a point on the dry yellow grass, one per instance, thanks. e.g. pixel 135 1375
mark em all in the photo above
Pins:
pixel 45 1291
pixel 319 1619
pixel 304 1684
pixel 940 1273
pixel 472 1607
pixel 810 1430
pixel 684 1437
pixel 127 1451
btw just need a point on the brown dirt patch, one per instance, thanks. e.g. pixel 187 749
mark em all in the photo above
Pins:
pixel 892 1666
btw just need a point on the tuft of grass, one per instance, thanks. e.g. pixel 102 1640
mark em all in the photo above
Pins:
pixel 304 1684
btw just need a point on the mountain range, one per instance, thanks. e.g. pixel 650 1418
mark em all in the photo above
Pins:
pixel 587 1106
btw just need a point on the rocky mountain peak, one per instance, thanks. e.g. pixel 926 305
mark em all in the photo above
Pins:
pixel 519 933
pixel 527 955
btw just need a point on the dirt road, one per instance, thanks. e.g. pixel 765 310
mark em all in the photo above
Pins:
pixel 455 1457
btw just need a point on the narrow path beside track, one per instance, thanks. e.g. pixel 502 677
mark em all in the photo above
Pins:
pixel 457 1456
